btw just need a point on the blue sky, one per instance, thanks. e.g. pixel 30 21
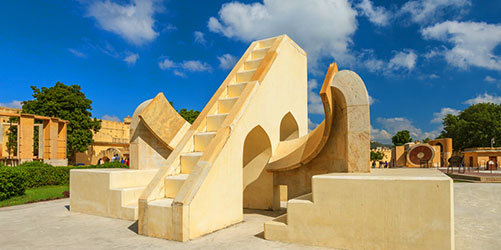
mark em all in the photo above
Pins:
pixel 419 59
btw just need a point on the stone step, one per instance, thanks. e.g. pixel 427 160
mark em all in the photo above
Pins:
pixel 245 75
pixel 189 161
pixel 130 211
pixel 235 90
pixel 252 64
pixel 173 183
pixel 159 219
pixel 225 104
pixel 127 195
pixel 202 140
pixel 214 122
pixel 265 43
pixel 259 53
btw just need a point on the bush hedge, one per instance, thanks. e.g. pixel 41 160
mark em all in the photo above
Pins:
pixel 42 174
pixel 12 183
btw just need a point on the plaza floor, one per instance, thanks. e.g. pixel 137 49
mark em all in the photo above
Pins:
pixel 49 225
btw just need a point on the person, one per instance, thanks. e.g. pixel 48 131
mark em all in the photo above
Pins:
pixel 100 161
pixel 126 162
pixel 122 160
pixel 373 164
pixel 385 164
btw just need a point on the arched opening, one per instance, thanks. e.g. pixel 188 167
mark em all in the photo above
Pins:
pixel 288 128
pixel 442 163
pixel 257 183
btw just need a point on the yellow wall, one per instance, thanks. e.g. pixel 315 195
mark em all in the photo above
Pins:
pixel 480 156
pixel 113 137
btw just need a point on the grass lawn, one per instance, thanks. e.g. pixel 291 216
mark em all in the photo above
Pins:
pixel 36 194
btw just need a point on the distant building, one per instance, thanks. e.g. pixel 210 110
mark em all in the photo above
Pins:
pixel 435 153
pixel 475 157
pixel 112 139
pixel 51 139
pixel 386 153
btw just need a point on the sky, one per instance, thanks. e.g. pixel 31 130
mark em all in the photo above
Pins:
pixel 419 59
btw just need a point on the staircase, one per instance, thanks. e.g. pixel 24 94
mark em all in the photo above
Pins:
pixel 157 219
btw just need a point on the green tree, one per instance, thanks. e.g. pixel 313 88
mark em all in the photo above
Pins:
pixel 376 156
pixel 189 115
pixel 401 138
pixel 426 140
pixel 67 102
pixel 474 127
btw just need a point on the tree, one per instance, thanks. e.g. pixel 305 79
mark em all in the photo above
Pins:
pixel 376 156
pixel 67 103
pixel 474 127
pixel 401 138
pixel 426 140
pixel 189 115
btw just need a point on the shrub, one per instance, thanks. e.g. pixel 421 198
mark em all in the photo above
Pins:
pixel 34 164
pixel 12 183
pixel 37 174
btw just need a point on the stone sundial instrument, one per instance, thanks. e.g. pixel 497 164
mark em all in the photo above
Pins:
pixel 420 154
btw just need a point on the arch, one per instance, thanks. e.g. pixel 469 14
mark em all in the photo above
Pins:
pixel 257 183
pixel 288 128
pixel 109 153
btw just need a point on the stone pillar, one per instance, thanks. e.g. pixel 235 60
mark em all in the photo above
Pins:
pixel 50 131
pixel 40 141
pixel 61 140
pixel 26 136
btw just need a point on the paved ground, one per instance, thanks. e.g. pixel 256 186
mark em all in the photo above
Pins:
pixel 49 225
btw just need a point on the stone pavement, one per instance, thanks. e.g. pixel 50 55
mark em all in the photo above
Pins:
pixel 49 225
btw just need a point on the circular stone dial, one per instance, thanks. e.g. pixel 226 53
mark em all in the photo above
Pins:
pixel 420 153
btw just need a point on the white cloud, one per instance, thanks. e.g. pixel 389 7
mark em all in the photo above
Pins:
pixel 195 66
pixel 490 79
pixel 131 59
pixel 380 135
pixel 473 43
pixel 134 22
pixel 311 125
pixel 374 65
pixel 180 68
pixel 315 105
pixel 438 117
pixel 13 104
pixel 377 15
pixel 166 64
pixel 76 53
pixel 426 11
pixel 199 37
pixel 227 61
pixel 179 73
pixel 403 60
pixel 323 28
pixel 372 100
pixel 395 124
pixel 485 98
pixel 111 118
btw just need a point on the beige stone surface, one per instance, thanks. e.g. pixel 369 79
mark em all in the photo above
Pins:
pixel 108 192
pixel 372 211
